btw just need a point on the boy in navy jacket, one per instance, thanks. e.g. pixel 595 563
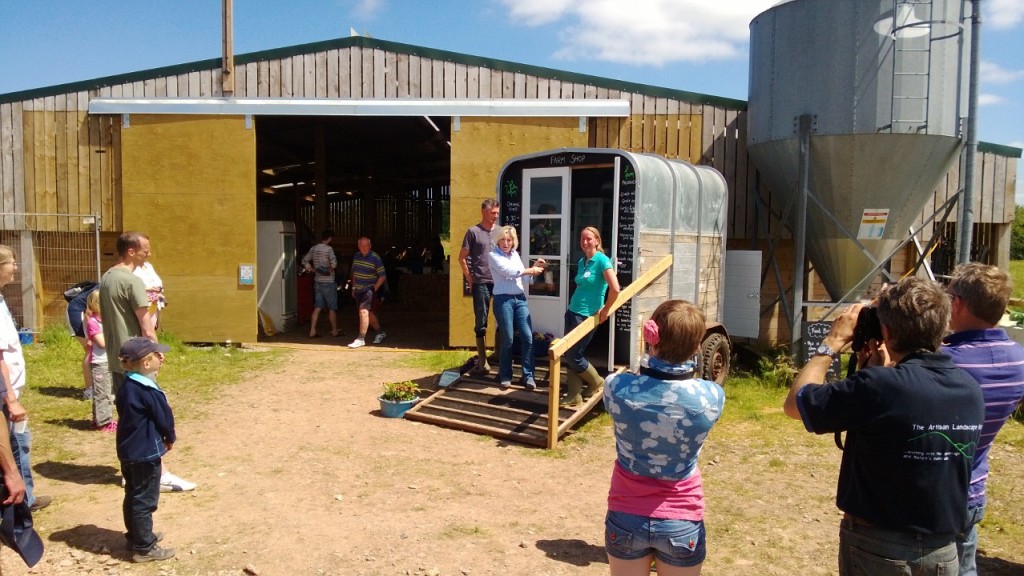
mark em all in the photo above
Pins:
pixel 145 432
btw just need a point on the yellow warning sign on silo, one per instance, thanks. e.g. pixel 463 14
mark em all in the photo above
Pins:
pixel 872 223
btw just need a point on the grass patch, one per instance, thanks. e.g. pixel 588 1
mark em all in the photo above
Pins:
pixel 452 531
pixel 437 361
pixel 193 376
pixel 1017 274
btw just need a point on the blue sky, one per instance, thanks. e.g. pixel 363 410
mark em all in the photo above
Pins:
pixel 692 45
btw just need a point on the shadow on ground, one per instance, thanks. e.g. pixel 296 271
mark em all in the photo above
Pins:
pixel 72 423
pixel 77 473
pixel 92 538
pixel 997 566
pixel 61 391
pixel 575 552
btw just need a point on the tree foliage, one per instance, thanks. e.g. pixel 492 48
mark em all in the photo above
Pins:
pixel 1017 235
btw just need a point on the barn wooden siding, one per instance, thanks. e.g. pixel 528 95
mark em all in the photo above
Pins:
pixel 55 158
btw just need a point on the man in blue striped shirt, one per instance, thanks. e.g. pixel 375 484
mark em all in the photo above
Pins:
pixel 367 278
pixel 979 295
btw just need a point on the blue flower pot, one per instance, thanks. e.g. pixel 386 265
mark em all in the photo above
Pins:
pixel 393 409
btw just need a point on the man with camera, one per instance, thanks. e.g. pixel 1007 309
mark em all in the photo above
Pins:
pixel 912 420
pixel 979 295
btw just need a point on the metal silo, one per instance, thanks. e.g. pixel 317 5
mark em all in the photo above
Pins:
pixel 881 87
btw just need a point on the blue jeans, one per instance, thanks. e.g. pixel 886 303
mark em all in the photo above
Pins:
pixel 513 315
pixel 869 551
pixel 20 446
pixel 482 307
pixel 674 542
pixel 967 541
pixel 575 358
pixel 141 495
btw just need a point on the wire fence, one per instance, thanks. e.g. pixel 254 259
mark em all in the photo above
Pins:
pixel 53 251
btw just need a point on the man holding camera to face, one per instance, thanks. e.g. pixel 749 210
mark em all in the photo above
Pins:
pixel 912 421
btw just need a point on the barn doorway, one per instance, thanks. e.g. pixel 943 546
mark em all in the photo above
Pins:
pixel 387 178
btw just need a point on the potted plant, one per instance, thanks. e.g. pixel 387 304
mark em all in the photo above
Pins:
pixel 398 397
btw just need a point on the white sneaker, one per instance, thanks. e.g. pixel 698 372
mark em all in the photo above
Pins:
pixel 171 483
pixel 357 343
pixel 379 337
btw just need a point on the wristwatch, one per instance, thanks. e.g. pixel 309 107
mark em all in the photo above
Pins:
pixel 825 350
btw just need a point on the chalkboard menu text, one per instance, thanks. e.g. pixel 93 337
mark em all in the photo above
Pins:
pixel 814 334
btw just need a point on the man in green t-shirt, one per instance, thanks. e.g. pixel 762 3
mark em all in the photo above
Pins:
pixel 123 301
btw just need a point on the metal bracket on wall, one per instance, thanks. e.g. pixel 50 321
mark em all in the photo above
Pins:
pixel 583 124
pixel 125 121
pixel 456 123
pixel 248 121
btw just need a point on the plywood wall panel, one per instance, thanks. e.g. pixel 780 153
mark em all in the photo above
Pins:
pixel 210 304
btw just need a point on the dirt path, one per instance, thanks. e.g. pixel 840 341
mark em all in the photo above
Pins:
pixel 298 475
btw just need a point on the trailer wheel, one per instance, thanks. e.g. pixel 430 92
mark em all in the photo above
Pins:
pixel 715 358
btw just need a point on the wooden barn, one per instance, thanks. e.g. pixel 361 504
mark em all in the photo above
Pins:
pixel 368 137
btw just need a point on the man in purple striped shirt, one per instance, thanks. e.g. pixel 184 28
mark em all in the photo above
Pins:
pixel 979 295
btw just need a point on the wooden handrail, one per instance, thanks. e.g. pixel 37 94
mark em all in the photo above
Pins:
pixel 559 346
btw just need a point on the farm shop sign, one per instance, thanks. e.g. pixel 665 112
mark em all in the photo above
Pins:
pixel 568 159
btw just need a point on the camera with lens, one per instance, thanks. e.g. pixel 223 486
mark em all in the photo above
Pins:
pixel 868 327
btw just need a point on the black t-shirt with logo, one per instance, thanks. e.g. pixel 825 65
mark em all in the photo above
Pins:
pixel 911 435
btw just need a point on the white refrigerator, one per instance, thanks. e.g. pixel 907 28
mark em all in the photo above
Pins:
pixel 276 274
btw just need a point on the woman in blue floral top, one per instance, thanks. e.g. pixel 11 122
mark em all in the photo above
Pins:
pixel 661 418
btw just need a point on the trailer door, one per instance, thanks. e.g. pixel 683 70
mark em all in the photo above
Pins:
pixel 544 233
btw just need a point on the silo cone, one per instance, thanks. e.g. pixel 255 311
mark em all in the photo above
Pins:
pixel 885 111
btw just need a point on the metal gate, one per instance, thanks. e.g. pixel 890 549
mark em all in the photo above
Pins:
pixel 53 252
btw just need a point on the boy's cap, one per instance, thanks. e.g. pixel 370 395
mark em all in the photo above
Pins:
pixel 138 348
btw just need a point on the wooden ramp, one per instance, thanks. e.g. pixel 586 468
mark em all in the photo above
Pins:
pixel 476 404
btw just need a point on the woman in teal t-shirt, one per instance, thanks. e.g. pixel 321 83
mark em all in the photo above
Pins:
pixel 596 290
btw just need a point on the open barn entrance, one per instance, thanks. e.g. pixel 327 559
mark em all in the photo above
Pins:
pixel 387 178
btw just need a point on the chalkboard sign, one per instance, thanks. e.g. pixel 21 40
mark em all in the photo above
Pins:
pixel 625 242
pixel 511 199
pixel 625 234
pixel 814 333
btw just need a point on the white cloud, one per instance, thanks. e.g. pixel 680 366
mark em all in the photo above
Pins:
pixel 1003 14
pixel 537 12
pixel 650 32
pixel 992 73
pixel 989 99
pixel 367 9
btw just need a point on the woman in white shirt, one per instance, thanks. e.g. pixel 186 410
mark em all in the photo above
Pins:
pixel 510 307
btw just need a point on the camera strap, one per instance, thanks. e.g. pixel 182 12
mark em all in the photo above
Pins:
pixel 838 436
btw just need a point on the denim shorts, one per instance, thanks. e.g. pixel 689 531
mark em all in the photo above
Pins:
pixel 674 542
pixel 325 295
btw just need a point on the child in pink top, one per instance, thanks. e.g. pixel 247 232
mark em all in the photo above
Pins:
pixel 661 417
pixel 102 392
